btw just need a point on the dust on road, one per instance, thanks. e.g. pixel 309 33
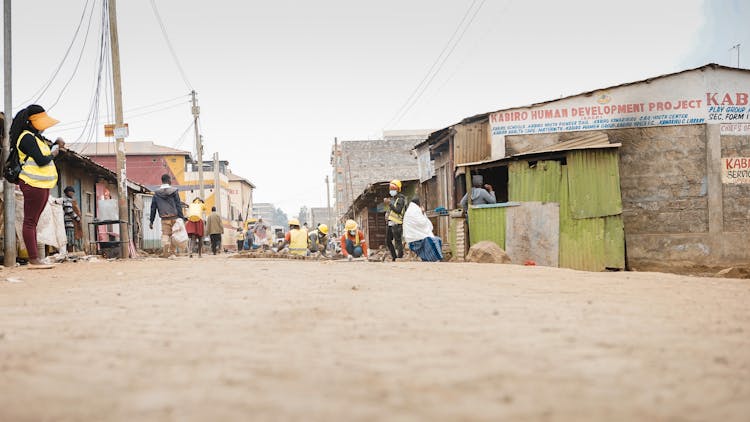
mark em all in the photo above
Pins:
pixel 246 339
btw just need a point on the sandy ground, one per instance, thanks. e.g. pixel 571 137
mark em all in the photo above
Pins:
pixel 246 339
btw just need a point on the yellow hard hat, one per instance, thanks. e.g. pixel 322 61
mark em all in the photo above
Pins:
pixel 294 222
pixel 323 228
pixel 350 225
pixel 397 184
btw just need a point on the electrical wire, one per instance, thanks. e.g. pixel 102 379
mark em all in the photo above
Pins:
pixel 78 63
pixel 38 93
pixel 437 60
pixel 169 44
pixel 181 139
pixel 442 62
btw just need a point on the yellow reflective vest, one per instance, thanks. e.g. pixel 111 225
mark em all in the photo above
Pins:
pixel 298 242
pixel 44 177
pixel 195 211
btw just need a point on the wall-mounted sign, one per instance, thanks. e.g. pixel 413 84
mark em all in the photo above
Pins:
pixel 735 170
pixel 715 96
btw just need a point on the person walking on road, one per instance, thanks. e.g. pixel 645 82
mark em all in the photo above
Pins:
pixel 195 226
pixel 396 207
pixel 167 202
pixel 353 243
pixel 239 236
pixel 215 228
pixel 38 171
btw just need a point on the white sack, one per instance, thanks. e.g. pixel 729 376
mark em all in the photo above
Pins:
pixel 416 225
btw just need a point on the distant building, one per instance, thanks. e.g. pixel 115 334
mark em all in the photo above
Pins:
pixel 241 197
pixel 265 211
pixel 320 215
pixel 146 162
pixel 358 164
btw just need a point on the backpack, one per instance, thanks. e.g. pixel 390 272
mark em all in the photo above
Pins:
pixel 12 169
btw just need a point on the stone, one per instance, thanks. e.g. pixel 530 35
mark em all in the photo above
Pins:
pixel 487 252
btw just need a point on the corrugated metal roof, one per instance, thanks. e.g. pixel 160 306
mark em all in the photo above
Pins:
pixel 588 141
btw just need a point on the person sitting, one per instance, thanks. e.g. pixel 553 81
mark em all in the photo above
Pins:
pixel 418 234
pixel 319 239
pixel 353 244
pixel 296 238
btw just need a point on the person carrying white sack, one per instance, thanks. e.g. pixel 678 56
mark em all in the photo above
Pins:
pixel 418 234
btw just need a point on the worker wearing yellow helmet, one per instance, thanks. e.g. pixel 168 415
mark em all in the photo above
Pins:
pixel 353 244
pixel 319 239
pixel 395 208
pixel 296 238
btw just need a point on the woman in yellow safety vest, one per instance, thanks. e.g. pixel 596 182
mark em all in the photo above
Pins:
pixel 38 171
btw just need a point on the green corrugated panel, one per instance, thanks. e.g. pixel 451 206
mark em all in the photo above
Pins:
pixel 538 183
pixel 594 183
pixel 591 244
pixel 487 224
pixel 614 242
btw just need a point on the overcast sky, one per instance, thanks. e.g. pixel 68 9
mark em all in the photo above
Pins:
pixel 278 80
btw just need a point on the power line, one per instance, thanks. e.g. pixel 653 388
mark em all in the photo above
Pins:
pixel 422 87
pixel 38 94
pixel 128 116
pixel 169 44
pixel 75 122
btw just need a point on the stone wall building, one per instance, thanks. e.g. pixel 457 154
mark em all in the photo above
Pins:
pixel 649 174
pixel 358 164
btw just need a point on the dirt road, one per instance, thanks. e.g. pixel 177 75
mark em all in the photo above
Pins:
pixel 246 339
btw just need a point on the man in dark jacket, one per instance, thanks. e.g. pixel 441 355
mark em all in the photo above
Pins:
pixel 395 209
pixel 167 202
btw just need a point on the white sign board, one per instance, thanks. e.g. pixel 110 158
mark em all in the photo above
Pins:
pixel 735 170
pixel 716 96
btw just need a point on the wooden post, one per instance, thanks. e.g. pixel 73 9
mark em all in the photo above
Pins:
pixel 122 180
pixel 9 189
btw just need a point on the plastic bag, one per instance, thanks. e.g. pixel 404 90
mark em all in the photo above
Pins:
pixel 179 234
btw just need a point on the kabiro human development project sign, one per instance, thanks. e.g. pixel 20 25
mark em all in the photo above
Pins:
pixel 735 170
pixel 717 96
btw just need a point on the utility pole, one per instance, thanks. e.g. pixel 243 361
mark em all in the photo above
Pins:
pixel 198 144
pixel 217 184
pixel 328 204
pixel 122 180
pixel 9 189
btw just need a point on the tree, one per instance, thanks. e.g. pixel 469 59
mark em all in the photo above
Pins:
pixel 279 218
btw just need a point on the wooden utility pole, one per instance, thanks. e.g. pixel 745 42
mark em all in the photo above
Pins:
pixel 217 184
pixel 328 204
pixel 9 189
pixel 198 144
pixel 122 180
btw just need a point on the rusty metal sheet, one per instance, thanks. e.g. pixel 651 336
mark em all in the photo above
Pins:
pixel 533 233
pixel 471 142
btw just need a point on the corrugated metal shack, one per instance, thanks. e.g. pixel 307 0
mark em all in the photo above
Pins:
pixel 368 210
pixel 655 164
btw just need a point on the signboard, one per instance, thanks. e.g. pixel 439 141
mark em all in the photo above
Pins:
pixel 735 170
pixel 111 131
pixel 716 96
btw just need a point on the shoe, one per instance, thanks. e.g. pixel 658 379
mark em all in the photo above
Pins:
pixel 190 255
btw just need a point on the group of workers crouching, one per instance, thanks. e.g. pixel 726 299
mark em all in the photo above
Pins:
pixel 406 223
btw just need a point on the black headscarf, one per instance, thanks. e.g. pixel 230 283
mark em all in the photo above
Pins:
pixel 21 122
